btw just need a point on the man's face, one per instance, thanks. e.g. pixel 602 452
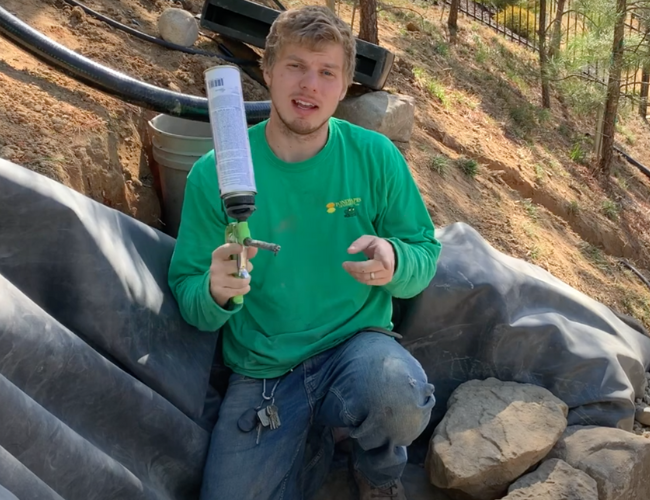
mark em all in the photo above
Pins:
pixel 306 86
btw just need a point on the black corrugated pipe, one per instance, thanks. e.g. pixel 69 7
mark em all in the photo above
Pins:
pixel 113 82
pixel 631 160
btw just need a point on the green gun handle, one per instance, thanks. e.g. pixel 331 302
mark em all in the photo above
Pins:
pixel 238 232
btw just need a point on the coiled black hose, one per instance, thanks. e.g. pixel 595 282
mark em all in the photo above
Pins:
pixel 158 41
pixel 113 82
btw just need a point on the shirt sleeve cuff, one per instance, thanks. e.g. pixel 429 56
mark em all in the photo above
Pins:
pixel 211 308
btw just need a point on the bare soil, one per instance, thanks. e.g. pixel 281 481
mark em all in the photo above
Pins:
pixel 483 151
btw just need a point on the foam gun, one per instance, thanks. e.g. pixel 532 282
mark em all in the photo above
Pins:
pixel 233 159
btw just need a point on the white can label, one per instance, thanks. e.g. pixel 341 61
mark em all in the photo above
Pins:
pixel 229 130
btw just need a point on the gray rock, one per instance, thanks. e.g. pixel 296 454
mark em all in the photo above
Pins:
pixel 178 26
pixel 554 480
pixel 390 114
pixel 618 460
pixel 492 433
pixel 642 414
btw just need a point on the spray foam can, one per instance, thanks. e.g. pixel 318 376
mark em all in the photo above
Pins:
pixel 230 135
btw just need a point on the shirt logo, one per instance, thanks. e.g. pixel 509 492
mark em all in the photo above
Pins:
pixel 349 206
pixel 350 212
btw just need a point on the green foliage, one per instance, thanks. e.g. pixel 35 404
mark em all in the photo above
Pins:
pixel 519 20
pixel 581 96
pixel 526 118
pixel 523 115
pixel 586 53
pixel 434 87
pixel 543 115
pixel 498 4
pixel 441 49
pixel 535 252
pixel 437 90
pixel 440 163
pixel 573 208
pixel 578 154
pixel 596 257
pixel 468 166
pixel 630 138
pixel 531 209
pixel 610 209
pixel 481 54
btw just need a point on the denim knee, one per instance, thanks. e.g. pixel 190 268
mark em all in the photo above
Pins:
pixel 406 401
pixel 398 399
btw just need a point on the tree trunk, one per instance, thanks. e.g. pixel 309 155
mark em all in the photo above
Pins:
pixel 645 75
pixel 368 21
pixel 645 83
pixel 613 90
pixel 452 21
pixel 556 36
pixel 543 61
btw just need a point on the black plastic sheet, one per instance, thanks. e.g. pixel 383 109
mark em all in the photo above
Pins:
pixel 490 315
pixel 105 392
pixel 102 384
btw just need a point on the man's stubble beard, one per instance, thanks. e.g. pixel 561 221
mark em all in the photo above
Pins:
pixel 295 128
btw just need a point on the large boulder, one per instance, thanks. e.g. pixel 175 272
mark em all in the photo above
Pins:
pixel 618 460
pixel 554 480
pixel 390 114
pixel 492 433
pixel 178 26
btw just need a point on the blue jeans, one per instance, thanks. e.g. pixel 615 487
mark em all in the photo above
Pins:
pixel 369 384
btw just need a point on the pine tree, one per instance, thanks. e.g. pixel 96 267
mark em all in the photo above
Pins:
pixel 368 21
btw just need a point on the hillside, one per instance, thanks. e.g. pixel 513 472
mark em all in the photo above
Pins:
pixel 483 151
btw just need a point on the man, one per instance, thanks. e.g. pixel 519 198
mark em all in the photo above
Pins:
pixel 313 338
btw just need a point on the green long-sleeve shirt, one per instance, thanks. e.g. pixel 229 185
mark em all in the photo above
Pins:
pixel 302 302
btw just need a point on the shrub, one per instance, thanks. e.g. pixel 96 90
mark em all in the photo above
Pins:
pixel 468 166
pixel 518 20
pixel 578 154
pixel 610 209
pixel 499 4
pixel 440 164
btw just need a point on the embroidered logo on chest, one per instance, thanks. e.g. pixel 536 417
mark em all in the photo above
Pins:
pixel 347 206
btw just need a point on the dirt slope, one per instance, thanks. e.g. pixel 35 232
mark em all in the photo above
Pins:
pixel 483 152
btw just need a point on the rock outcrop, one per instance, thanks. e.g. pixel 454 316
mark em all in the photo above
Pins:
pixel 618 460
pixel 390 114
pixel 554 480
pixel 492 433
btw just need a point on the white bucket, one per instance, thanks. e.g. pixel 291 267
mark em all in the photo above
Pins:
pixel 176 145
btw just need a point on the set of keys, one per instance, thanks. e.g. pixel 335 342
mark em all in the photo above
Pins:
pixel 269 417
pixel 260 416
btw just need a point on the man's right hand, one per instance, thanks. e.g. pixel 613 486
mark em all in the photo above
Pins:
pixel 224 284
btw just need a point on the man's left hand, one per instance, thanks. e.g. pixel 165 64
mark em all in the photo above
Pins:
pixel 380 267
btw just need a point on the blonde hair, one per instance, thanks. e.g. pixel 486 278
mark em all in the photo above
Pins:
pixel 311 26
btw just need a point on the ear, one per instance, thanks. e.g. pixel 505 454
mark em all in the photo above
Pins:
pixel 267 76
pixel 343 93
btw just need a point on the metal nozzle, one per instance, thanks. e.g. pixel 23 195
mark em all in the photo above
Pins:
pixel 272 247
